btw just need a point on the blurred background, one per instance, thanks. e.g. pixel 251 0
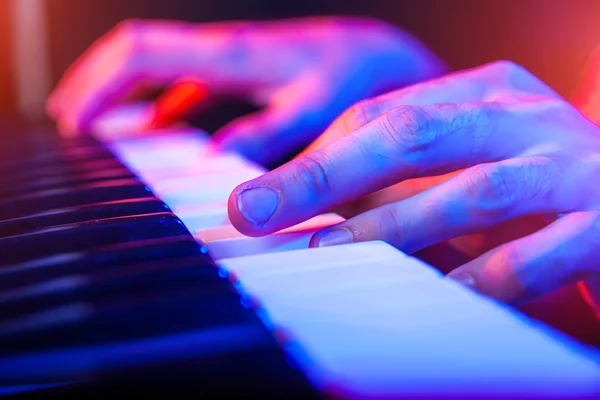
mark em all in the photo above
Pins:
pixel 552 38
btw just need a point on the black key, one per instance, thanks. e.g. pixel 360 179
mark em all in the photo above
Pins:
pixel 98 285
pixel 190 304
pixel 53 154
pixel 263 372
pixel 97 258
pixel 64 181
pixel 61 198
pixel 85 235
pixel 26 175
pixel 88 212
pixel 9 166
pixel 38 143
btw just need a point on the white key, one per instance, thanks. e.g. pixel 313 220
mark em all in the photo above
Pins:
pixel 202 216
pixel 197 197
pixel 160 140
pixel 229 232
pixel 201 166
pixel 412 334
pixel 204 181
pixel 226 242
pixel 123 120
pixel 279 285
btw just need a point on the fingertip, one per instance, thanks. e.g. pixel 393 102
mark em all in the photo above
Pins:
pixel 251 208
pixel 463 278
pixel 332 236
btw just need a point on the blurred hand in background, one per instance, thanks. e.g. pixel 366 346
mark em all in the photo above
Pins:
pixel 303 72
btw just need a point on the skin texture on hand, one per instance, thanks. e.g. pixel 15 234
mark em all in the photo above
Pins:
pixel 586 97
pixel 304 72
pixel 516 150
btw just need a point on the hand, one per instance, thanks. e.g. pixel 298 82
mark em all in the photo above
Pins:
pixel 303 71
pixel 520 150
pixel 586 96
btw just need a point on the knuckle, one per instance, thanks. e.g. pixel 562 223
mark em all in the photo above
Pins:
pixel 391 224
pixel 492 187
pixel 130 28
pixel 512 75
pixel 360 114
pixel 514 186
pixel 510 257
pixel 410 129
pixel 313 172
pixel 506 69
pixel 132 45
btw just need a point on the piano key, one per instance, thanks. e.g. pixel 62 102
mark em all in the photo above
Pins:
pixel 201 216
pixel 199 166
pixel 349 340
pixel 88 234
pixel 189 304
pixel 204 182
pixel 58 182
pixel 210 358
pixel 51 172
pixel 227 242
pixel 84 194
pixel 277 283
pixel 97 258
pixel 159 138
pixel 218 194
pixel 124 120
pixel 42 141
pixel 88 286
pixel 50 155
pixel 10 166
pixel 88 212
pixel 163 156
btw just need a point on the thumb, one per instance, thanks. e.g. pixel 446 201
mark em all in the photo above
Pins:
pixel 266 136
pixel 295 115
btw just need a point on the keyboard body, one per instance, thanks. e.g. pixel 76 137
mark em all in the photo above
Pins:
pixel 119 270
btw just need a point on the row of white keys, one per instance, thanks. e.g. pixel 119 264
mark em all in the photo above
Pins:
pixel 367 321
pixel 196 184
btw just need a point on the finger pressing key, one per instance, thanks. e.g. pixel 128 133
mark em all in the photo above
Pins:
pixel 404 143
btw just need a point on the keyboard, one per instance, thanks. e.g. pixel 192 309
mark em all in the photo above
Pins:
pixel 119 270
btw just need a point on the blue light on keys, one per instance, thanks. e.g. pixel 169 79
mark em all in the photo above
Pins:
pixel 368 321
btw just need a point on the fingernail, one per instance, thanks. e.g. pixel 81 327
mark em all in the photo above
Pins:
pixel 463 278
pixel 258 204
pixel 334 237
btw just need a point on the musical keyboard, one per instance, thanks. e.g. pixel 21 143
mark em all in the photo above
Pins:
pixel 119 269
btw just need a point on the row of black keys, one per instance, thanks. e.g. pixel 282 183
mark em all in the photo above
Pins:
pixel 79 231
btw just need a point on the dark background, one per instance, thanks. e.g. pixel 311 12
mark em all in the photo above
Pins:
pixel 552 38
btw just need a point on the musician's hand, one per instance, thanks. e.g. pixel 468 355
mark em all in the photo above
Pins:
pixel 304 72
pixel 521 150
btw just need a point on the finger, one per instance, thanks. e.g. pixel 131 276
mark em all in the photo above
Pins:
pixel 405 143
pixel 476 199
pixel 484 83
pixel 263 137
pixel 157 54
pixel 296 113
pixel 562 253
pixel 586 96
